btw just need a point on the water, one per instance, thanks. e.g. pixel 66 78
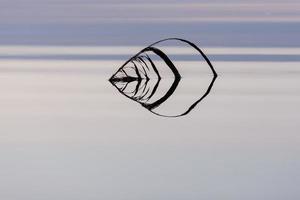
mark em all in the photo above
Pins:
pixel 67 133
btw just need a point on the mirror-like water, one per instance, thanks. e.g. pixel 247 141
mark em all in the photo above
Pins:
pixel 67 133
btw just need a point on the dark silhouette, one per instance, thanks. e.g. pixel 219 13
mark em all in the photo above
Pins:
pixel 141 64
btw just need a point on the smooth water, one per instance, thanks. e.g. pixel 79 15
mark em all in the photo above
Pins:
pixel 66 132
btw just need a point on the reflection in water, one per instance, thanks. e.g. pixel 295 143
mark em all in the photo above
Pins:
pixel 140 78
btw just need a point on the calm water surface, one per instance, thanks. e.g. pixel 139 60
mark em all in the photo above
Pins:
pixel 66 133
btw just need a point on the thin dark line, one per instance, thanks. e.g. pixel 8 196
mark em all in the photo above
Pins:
pixel 174 85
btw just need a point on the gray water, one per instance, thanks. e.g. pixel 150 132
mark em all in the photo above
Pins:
pixel 67 133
